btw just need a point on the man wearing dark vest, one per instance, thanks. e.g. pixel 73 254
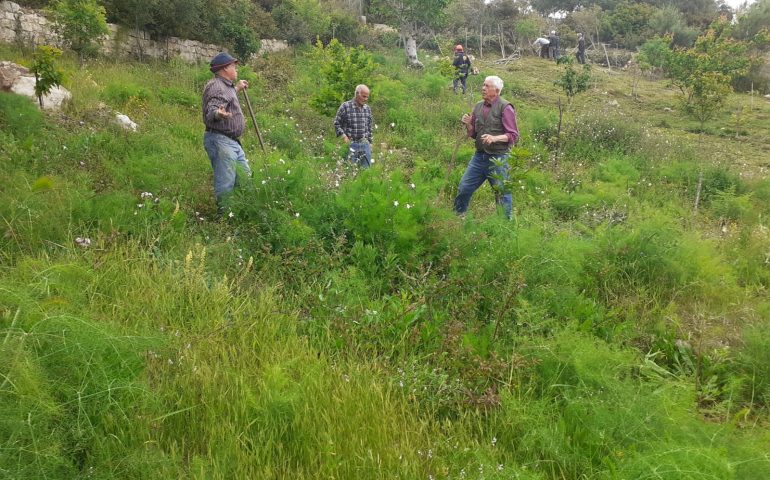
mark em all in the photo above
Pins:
pixel 493 125
pixel 462 65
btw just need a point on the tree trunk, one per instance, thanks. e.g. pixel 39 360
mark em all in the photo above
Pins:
pixel 410 46
pixel 481 40
pixel 502 40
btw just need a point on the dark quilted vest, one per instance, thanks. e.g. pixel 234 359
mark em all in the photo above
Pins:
pixel 492 125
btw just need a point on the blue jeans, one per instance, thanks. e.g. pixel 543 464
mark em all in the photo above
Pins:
pixel 482 168
pixel 360 154
pixel 227 158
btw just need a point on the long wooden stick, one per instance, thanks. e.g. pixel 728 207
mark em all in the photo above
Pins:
pixel 254 121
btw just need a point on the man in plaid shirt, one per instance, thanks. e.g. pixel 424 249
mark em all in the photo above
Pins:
pixel 354 124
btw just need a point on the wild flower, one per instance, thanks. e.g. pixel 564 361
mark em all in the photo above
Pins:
pixel 296 214
pixel 395 203
pixel 392 125
pixel 83 242
pixel 408 206
pixel 230 215
pixel 146 195
pixel 139 205
pixel 411 185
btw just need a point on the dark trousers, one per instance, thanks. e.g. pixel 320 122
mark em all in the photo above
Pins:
pixel 581 57
pixel 461 80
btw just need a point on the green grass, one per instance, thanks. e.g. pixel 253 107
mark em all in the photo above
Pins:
pixel 346 324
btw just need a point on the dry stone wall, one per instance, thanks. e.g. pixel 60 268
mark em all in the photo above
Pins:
pixel 28 27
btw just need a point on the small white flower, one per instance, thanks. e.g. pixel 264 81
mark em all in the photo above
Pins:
pixel 231 215
pixel 264 182
pixel 84 242
pixel 395 203
pixel 146 195
pixel 139 205
pixel 392 125
pixel 408 206
pixel 296 214
pixel 411 185
pixel 288 172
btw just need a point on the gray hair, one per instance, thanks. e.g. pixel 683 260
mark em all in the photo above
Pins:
pixel 360 87
pixel 497 82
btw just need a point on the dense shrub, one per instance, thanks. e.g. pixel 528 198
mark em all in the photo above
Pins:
pixel 342 69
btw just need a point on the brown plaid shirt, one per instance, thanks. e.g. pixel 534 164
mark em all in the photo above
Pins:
pixel 217 93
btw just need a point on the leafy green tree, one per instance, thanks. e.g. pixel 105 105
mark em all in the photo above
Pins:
pixel 753 21
pixel 341 70
pixel 47 75
pixel 699 13
pixel 707 95
pixel 527 29
pixel 627 24
pixel 714 51
pixel 301 21
pixel 136 14
pixel 670 21
pixel 236 27
pixel 412 17
pixel 81 23
pixel 655 53
pixel 573 81
pixel 587 21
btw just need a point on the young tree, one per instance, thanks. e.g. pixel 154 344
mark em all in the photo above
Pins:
pixel 412 17
pixel 341 70
pixel 47 76
pixel 587 20
pixel 81 23
pixel 572 81
pixel 708 93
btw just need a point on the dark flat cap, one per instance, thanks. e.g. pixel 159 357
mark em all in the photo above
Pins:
pixel 220 61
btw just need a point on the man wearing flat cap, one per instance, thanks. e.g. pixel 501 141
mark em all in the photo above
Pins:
pixel 224 122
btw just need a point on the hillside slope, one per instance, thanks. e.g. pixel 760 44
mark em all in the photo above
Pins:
pixel 345 324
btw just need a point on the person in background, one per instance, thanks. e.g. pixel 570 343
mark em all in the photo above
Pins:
pixel 224 122
pixel 354 124
pixel 581 49
pixel 553 46
pixel 543 44
pixel 493 125
pixel 462 65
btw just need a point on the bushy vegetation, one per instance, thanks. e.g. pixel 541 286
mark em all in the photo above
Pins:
pixel 345 324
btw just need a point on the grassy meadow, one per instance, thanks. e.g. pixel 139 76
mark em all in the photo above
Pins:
pixel 339 324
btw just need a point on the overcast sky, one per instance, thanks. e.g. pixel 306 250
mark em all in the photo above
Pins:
pixel 737 3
